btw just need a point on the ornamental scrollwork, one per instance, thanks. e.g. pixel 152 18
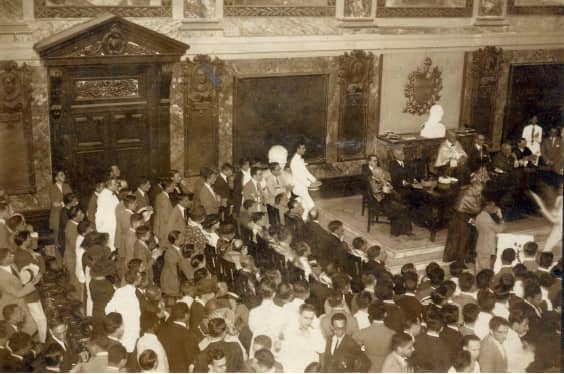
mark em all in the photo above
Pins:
pixel 423 88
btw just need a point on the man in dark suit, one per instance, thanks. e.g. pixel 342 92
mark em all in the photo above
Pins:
pixel 113 331
pixel 294 221
pixel 315 235
pixel 342 353
pixel 180 347
pixel 376 339
pixel 58 335
pixel 207 196
pixel 222 187
pixel 394 314
pixel 408 303
pixel 142 193
pixel 431 352
pixel 478 154
pixel 551 150
pixel 319 288
pixel 242 177
pixel 450 334
pixel 336 246
pixel 398 171
pixel 371 164
pixel 179 217
pixel 524 154
pixel 163 209
pixel 234 354
pixel 14 361
pixel 493 357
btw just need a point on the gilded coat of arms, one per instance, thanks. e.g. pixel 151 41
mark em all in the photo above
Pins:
pixel 423 88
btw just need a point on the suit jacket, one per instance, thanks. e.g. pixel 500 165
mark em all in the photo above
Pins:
pixel 394 317
pixel 56 196
pixel 431 354
pixel 336 250
pixel 233 354
pixel 69 257
pixel 487 233
pixel 316 237
pixel 477 158
pixel 393 364
pixel 13 292
pixel 348 357
pixel 209 200
pixel 6 240
pixel 142 252
pixel 453 339
pixel 253 192
pixel 398 174
pixel 552 152
pixel 376 340
pixel 163 208
pixel 123 220
pixel 238 191
pixel 180 346
pixel 142 199
pixel 317 295
pixel 70 356
pixel 92 206
pixel 326 328
pixel 197 314
pixel 222 188
pixel 174 263
pixel 106 343
pixel 176 221
pixel 274 187
pixel 491 358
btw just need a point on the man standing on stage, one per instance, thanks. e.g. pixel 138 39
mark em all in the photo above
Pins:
pixel 302 178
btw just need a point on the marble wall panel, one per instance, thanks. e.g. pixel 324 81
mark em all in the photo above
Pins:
pixel 41 145
pixel 11 10
pixel 396 69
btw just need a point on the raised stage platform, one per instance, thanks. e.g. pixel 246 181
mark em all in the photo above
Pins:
pixel 400 250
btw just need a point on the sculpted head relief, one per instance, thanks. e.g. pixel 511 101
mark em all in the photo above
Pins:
pixel 433 127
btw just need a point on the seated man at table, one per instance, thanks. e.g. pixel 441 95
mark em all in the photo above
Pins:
pixel 524 155
pixel 551 151
pixel 451 157
pixel 478 154
pixel 399 173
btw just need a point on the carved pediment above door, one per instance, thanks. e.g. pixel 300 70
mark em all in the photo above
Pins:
pixel 109 37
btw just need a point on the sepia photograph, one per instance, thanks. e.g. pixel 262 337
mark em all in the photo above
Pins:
pixel 287 186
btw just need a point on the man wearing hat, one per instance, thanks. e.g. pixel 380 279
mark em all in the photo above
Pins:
pixel 205 291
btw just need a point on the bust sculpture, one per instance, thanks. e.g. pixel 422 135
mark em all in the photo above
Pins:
pixel 433 127
pixel 278 153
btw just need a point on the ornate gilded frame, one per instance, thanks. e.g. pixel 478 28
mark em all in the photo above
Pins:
pixel 383 11
pixel 22 94
pixel 533 10
pixel 426 72
pixel 42 10
pixel 232 10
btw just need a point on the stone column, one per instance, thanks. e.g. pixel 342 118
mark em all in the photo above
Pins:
pixel 490 13
pixel 356 13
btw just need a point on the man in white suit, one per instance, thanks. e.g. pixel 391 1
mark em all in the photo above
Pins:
pixel 106 212
pixel 302 179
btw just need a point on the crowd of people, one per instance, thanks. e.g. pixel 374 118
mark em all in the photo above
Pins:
pixel 236 275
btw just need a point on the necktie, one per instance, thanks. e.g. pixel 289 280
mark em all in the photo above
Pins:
pixel 186 215
pixel 336 345
pixel 277 181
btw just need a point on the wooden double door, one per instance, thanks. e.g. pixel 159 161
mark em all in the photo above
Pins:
pixel 111 114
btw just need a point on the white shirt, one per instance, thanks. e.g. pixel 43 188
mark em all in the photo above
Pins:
pixel 125 302
pixel 79 253
pixel 266 319
pixel 501 310
pixel 533 136
pixel 106 215
pixel 361 317
pixel 300 348
pixel 517 357
pixel 300 174
pixel 482 325
pixel 246 176
pixel 150 341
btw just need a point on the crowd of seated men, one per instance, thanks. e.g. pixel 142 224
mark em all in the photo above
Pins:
pixel 230 277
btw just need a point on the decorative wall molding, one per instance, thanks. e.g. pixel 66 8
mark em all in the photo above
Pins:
pixel 447 11
pixel 16 144
pixel 203 78
pixel 514 8
pixel 231 8
pixel 423 88
pixel 43 10
pixel 356 74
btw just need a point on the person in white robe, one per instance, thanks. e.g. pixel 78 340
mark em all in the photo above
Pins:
pixel 106 211
pixel 433 127
pixel 125 302
pixel 532 133
pixel 302 179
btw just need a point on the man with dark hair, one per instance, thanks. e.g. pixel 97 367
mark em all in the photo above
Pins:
pixel 518 357
pixel 342 353
pixel 148 361
pixel 57 191
pixel 450 334
pixel 533 307
pixel 301 343
pixel 508 256
pixel 207 196
pixel 117 358
pixel 265 362
pixel 545 260
pixel 336 246
pixel 316 236
pixel 178 218
pixel 113 331
pixel 336 305
pixel 436 276
pixel 530 250
pixel 493 356
pixel 253 190
pixel 217 330
pixel 466 294
pixel 19 346
pixel 375 339
pixel 163 210
pixel 216 362
pixel 397 360
pixel 58 335
pixel 470 314
pixel 486 302
pixel 180 345
pixel 431 352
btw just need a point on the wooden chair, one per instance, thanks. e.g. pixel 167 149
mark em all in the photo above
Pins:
pixel 375 210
